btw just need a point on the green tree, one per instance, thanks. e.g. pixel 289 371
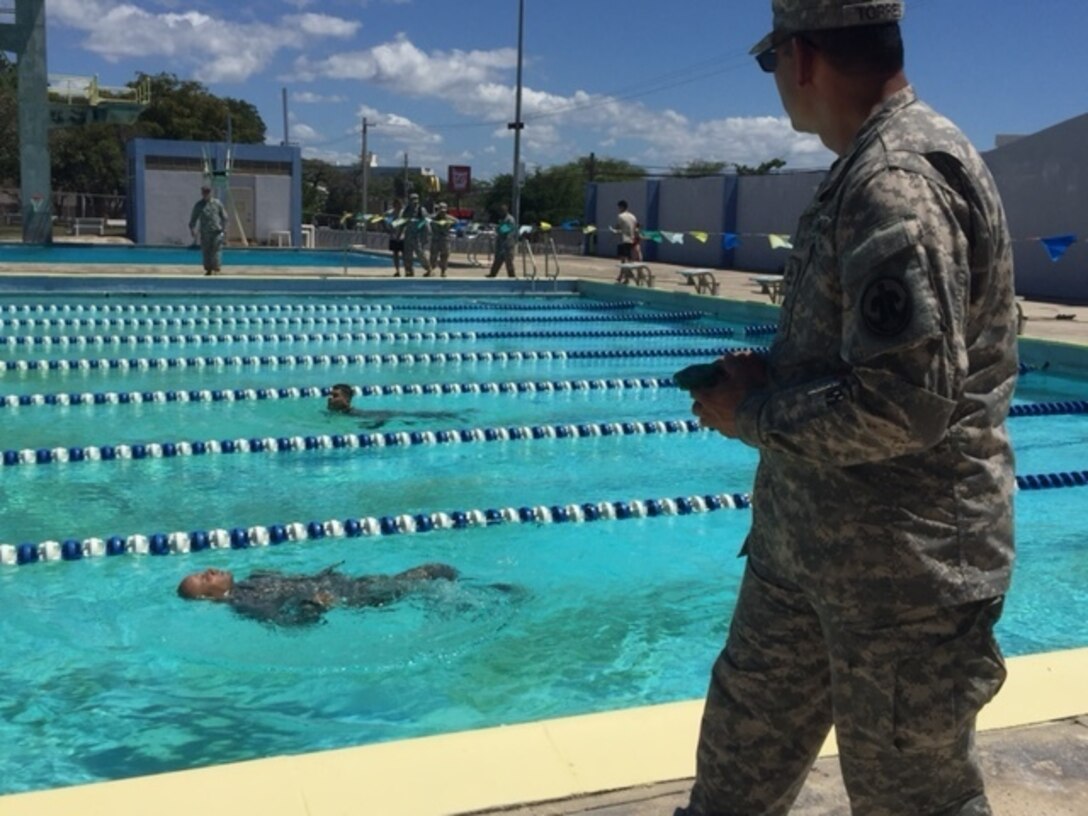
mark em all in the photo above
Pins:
pixel 183 109
pixel 556 194
pixel 762 169
pixel 700 168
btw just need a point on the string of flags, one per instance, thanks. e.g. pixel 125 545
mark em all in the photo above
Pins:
pixel 1056 246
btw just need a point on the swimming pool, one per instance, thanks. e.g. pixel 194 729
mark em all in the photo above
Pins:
pixel 562 410
pixel 128 255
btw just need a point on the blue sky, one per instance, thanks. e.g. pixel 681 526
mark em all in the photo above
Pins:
pixel 656 83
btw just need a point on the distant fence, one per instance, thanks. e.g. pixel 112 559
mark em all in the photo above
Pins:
pixel 67 206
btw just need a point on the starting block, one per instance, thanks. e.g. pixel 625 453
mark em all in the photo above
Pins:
pixel 639 273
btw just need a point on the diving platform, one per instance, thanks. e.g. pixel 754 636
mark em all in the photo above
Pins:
pixel 81 100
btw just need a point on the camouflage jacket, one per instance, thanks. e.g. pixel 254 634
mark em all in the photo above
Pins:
pixel 416 224
pixel 886 476
pixel 210 214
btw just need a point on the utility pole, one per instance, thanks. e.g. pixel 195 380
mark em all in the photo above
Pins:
pixel 405 182
pixel 286 131
pixel 517 125
pixel 366 175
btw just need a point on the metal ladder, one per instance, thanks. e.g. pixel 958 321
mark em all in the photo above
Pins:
pixel 528 261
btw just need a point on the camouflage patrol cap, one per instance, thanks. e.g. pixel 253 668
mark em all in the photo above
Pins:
pixel 792 16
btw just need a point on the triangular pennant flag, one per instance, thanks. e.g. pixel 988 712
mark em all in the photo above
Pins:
pixel 699 236
pixel 545 226
pixel 375 219
pixel 780 241
pixel 400 222
pixel 673 237
pixel 730 240
pixel 524 229
pixel 653 235
pixel 589 229
pixel 1058 245
pixel 569 224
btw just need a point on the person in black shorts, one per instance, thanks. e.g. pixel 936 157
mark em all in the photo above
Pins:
pixel 396 234
pixel 627 226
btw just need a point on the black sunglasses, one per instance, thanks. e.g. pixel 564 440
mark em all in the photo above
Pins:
pixel 768 58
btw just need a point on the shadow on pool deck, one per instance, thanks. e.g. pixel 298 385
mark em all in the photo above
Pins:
pixel 1031 771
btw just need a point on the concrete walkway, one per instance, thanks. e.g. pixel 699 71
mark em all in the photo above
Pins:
pixel 1031 771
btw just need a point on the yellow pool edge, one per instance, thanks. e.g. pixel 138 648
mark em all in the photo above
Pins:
pixel 493 767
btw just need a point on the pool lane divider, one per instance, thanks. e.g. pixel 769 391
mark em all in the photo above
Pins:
pixel 389 439
pixel 422 320
pixel 306 392
pixel 346 337
pixel 572 303
pixel 241 538
pixel 144 363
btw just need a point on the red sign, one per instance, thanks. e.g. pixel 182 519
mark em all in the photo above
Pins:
pixel 460 180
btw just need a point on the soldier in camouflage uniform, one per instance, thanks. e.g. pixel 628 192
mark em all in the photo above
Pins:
pixel 440 238
pixel 211 216
pixel 417 235
pixel 506 239
pixel 297 600
pixel 881 543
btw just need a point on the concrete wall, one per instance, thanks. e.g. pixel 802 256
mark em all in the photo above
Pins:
pixel 702 204
pixel 770 204
pixel 161 198
pixel 1044 183
pixel 1043 179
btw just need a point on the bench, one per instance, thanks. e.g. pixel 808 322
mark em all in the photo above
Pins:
pixel 702 279
pixel 281 237
pixel 640 273
pixel 88 226
pixel 770 285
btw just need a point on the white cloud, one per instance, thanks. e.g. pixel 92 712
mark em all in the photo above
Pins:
pixel 323 25
pixel 472 83
pixel 303 133
pixel 402 67
pixel 396 128
pixel 219 50
pixel 311 98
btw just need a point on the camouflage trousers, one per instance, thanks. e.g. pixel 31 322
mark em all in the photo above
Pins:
pixel 415 250
pixel 902 694
pixel 211 246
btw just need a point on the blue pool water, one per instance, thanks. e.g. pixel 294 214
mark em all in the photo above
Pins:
pixel 70 253
pixel 107 674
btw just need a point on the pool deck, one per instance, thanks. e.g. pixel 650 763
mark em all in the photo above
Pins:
pixel 638 762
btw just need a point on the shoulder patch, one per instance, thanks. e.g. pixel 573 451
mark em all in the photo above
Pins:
pixel 886 307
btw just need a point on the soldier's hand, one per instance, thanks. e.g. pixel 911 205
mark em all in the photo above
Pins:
pixel 716 405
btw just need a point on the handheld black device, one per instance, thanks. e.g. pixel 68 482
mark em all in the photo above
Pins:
pixel 700 375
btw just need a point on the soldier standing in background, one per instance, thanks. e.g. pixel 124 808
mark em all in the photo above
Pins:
pixel 440 238
pixel 505 243
pixel 211 216
pixel 417 235
pixel 881 544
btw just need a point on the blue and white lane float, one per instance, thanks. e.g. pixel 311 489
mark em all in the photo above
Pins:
pixel 422 358
pixel 82 340
pixel 306 392
pixel 58 323
pixel 550 304
pixel 49 323
pixel 391 439
pixel 241 538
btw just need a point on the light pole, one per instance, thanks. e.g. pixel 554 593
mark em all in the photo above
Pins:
pixel 517 125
